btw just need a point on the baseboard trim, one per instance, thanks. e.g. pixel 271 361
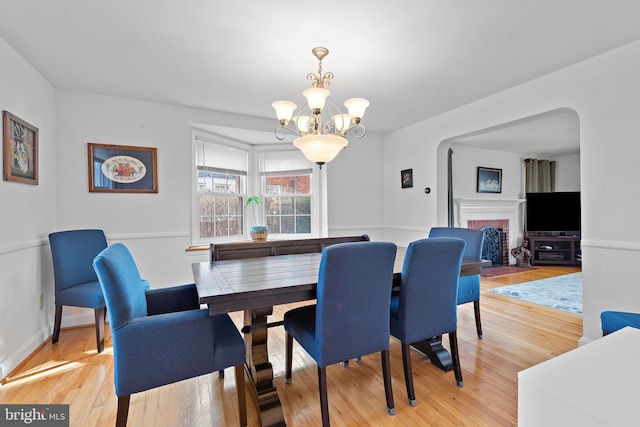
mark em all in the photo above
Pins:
pixel 14 360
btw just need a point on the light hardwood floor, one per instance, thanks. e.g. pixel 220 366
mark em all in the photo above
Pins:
pixel 517 335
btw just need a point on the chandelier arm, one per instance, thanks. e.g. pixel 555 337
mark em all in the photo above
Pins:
pixel 315 80
pixel 359 130
pixel 304 109
pixel 282 131
pixel 326 79
pixel 330 125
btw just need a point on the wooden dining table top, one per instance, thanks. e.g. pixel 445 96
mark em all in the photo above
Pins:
pixel 252 283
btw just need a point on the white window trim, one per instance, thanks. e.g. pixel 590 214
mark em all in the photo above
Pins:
pixel 319 227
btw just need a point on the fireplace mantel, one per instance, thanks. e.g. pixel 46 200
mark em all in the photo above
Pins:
pixel 492 209
pixel 488 204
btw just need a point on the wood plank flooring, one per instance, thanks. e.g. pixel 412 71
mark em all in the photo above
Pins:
pixel 517 335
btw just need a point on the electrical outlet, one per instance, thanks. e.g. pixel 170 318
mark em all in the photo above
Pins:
pixel 41 301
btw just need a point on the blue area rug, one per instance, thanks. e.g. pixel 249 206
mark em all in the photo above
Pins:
pixel 561 292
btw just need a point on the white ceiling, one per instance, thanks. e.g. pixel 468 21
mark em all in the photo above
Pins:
pixel 413 59
pixel 549 134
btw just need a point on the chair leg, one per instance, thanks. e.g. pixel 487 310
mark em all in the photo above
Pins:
pixel 324 399
pixel 345 363
pixel 455 357
pixel 408 375
pixel 476 310
pixel 288 356
pixel 123 410
pixel 100 315
pixel 56 324
pixel 386 375
pixel 242 397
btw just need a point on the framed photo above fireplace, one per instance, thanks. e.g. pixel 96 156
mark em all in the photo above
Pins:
pixel 489 180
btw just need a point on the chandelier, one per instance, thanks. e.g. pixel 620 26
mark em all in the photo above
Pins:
pixel 320 141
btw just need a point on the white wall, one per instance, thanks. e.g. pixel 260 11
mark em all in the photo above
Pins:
pixel 465 172
pixel 567 172
pixel 355 183
pixel 605 93
pixel 26 217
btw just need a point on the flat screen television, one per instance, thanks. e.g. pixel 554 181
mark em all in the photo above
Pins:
pixel 553 213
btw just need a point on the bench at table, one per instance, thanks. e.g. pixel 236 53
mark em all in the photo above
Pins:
pixel 259 249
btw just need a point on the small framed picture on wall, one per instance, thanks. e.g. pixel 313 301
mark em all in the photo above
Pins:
pixel 406 178
pixel 20 140
pixel 489 180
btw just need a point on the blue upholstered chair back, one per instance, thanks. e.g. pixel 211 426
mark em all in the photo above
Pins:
pixel 122 286
pixel 72 253
pixel 429 290
pixel 353 300
pixel 468 286
pixel 473 238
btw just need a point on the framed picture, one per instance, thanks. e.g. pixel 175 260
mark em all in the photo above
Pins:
pixel 20 150
pixel 489 180
pixel 122 169
pixel 406 177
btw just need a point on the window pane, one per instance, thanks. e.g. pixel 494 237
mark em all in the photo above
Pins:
pixel 235 225
pixel 273 222
pixel 288 184
pixel 235 206
pixel 220 216
pixel 303 224
pixel 206 216
pixel 286 205
pixel 218 182
pixel 303 184
pixel 273 185
pixel 292 213
pixel 288 224
pixel 303 205
pixel 272 205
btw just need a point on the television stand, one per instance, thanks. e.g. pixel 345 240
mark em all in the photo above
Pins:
pixel 551 250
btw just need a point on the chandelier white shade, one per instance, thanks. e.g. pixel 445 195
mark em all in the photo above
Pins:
pixel 320 149
pixel 320 141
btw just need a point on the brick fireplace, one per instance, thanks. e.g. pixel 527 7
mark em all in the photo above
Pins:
pixel 503 240
pixel 503 214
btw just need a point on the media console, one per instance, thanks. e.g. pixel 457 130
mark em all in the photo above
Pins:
pixel 550 250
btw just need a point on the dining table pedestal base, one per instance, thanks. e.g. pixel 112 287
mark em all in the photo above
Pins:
pixel 438 355
pixel 259 369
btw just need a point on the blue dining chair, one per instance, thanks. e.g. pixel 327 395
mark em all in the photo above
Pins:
pixel 351 314
pixel 615 320
pixel 426 304
pixel 161 336
pixel 76 283
pixel 468 286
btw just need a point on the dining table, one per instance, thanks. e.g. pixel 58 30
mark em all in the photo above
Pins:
pixel 256 285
